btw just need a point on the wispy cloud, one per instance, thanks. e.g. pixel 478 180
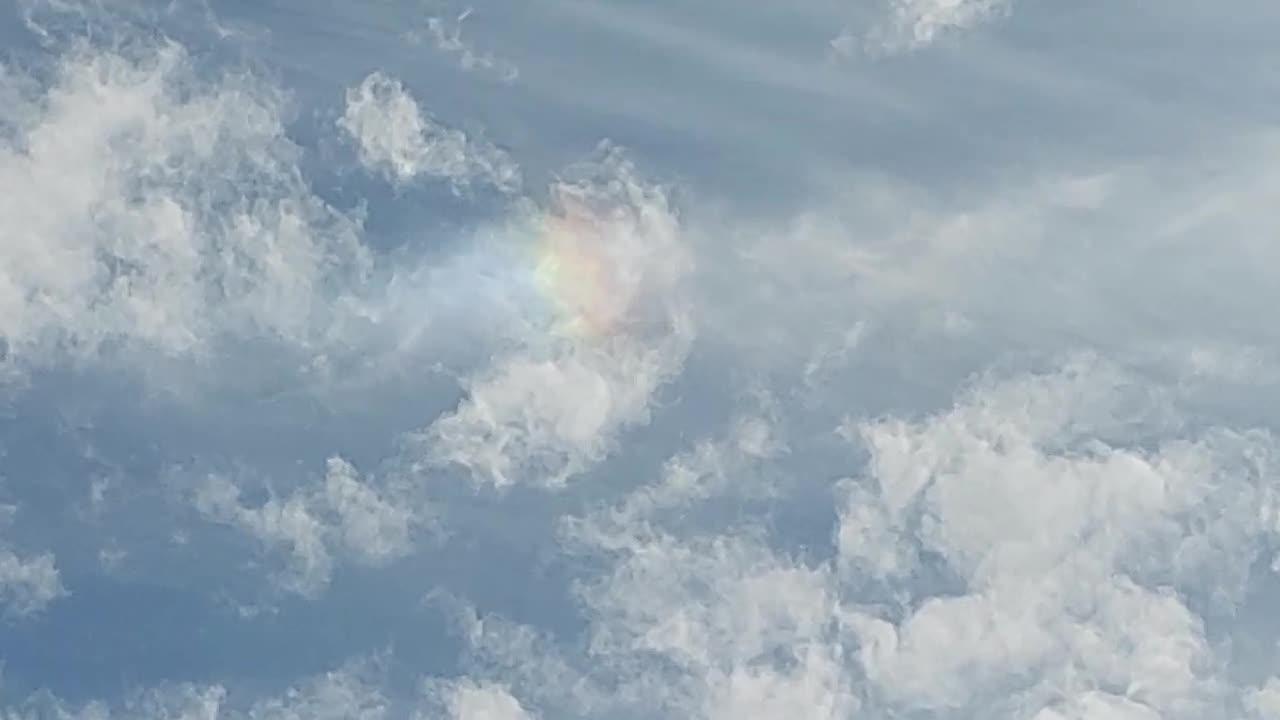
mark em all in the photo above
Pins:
pixel 343 514
pixel 1055 598
pixel 398 140
pixel 446 37
pixel 917 24
pixel 350 691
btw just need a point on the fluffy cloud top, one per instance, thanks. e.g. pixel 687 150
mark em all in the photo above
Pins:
pixel 997 559
pixel 147 205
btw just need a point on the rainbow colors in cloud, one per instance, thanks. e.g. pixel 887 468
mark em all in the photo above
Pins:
pixel 582 268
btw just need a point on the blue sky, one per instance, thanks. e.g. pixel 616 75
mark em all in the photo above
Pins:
pixel 571 359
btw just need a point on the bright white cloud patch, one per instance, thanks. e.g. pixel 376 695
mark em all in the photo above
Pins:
pixel 1070 548
pixel 609 261
pixel 920 22
pixel 1083 561
pixel 398 140
pixel 147 205
pixel 468 701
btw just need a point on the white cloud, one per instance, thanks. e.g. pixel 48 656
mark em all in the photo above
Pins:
pixel 150 206
pixel 611 264
pixel 917 24
pixel 347 693
pixel 288 524
pixel 544 421
pixel 1065 544
pixel 183 702
pixel 28 584
pixel 397 139
pixel 447 38
pixel 373 526
pixel 471 701
pixel 721 628
pixel 712 469
pixel 1130 260
pixel 709 626
pixel 174 702
pixel 346 514
pixel 1095 705
pixel 1081 558
pixel 1053 546
pixel 1263 703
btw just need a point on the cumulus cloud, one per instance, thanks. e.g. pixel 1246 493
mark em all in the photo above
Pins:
pixel 685 621
pixel 739 624
pixel 1069 548
pixel 344 514
pixel 1025 553
pixel 151 206
pixel 474 701
pixel 398 140
pixel 610 260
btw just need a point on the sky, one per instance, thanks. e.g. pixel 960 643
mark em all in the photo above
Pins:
pixel 664 360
